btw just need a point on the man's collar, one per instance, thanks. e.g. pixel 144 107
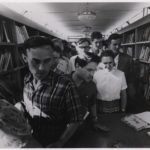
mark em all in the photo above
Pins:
pixel 47 80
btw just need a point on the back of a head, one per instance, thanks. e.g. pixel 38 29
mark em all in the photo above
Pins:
pixel 82 40
pixel 80 62
pixel 114 36
pixel 92 57
pixel 96 35
pixel 38 41
pixel 13 126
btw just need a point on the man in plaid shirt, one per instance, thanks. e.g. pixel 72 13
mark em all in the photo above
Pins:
pixel 51 102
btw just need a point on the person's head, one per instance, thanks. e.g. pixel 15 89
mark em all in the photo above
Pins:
pixel 114 42
pixel 104 45
pixel 85 69
pixel 39 56
pixel 107 58
pixel 58 43
pixel 83 46
pixel 14 128
pixel 96 38
pixel 57 53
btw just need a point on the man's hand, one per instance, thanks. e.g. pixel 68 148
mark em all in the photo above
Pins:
pixel 98 127
pixel 19 107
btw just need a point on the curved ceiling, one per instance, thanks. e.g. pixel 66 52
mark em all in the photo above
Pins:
pixel 63 17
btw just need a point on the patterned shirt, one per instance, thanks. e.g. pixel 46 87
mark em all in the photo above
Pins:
pixel 55 100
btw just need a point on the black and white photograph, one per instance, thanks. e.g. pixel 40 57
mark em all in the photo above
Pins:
pixel 75 74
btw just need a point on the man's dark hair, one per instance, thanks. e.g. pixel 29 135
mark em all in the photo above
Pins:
pixel 93 57
pixel 114 36
pixel 82 40
pixel 107 53
pixel 81 62
pixel 57 49
pixel 96 35
pixel 37 41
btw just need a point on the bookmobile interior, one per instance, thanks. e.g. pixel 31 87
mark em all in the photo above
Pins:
pixel 70 22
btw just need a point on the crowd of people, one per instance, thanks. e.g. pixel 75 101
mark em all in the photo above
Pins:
pixel 70 84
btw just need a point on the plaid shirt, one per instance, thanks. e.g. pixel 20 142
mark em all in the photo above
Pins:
pixel 55 100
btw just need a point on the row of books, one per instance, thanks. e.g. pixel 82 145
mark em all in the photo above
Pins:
pixel 147 92
pixel 130 38
pixel 144 76
pixel 144 71
pixel 21 33
pixel 5 60
pixel 144 34
pixel 145 53
pixel 5 34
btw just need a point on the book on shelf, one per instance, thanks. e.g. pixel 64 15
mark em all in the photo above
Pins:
pixel 1 33
pixel 21 33
pixel 147 33
pixel 142 53
pixel 130 38
pixel 5 32
pixel 147 54
pixel 144 34
pixel 5 61
pixel 138 121
pixel 21 59
pixel 24 32
pixel 130 51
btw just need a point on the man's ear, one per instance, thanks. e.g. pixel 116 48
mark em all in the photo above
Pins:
pixel 24 58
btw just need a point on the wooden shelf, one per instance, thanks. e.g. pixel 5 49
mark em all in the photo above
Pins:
pixel 6 44
pixel 12 70
pixel 128 44
pixel 136 24
pixel 136 43
pixel 143 42
pixel 144 61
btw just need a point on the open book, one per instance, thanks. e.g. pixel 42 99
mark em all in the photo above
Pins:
pixel 138 121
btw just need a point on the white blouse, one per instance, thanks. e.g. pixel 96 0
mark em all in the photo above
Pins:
pixel 109 84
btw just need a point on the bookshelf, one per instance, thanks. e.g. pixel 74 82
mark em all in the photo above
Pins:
pixel 14 30
pixel 136 43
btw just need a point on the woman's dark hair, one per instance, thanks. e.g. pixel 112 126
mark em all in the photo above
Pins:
pixel 107 53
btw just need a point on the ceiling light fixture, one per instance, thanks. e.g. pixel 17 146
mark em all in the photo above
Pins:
pixel 87 15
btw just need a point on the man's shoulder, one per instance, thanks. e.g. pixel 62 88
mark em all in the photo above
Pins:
pixel 119 72
pixel 62 78
pixel 126 56
pixel 73 57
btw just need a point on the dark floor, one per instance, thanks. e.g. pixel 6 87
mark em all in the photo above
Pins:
pixel 138 104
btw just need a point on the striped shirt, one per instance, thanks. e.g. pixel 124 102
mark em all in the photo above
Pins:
pixel 55 100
